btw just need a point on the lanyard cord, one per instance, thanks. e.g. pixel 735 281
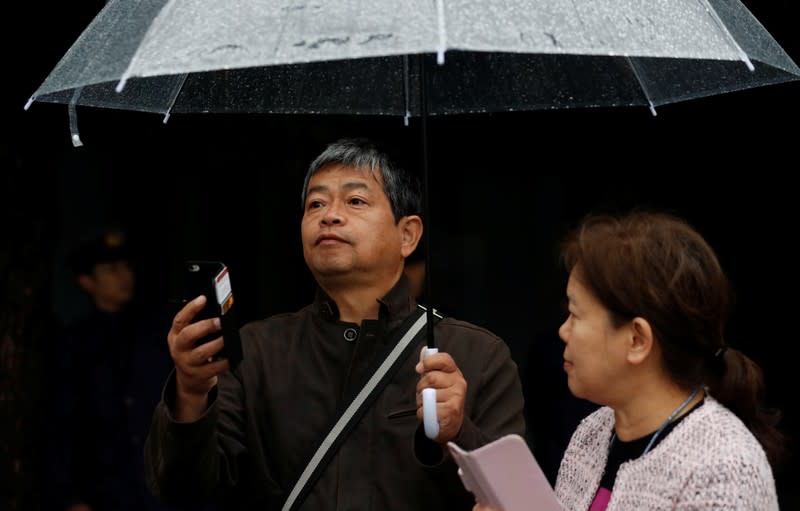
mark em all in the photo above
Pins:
pixel 663 426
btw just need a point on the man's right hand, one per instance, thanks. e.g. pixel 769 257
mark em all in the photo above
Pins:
pixel 196 369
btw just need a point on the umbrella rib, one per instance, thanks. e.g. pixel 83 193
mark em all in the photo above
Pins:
pixel 724 29
pixel 72 111
pixel 406 90
pixel 441 28
pixel 175 91
pixel 642 85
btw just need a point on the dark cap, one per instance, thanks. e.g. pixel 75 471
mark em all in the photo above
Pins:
pixel 108 246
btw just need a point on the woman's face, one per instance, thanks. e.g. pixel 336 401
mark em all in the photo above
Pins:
pixel 594 352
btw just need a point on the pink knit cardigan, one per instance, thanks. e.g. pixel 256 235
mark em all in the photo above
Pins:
pixel 710 461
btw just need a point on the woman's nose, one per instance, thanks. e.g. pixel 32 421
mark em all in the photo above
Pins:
pixel 562 331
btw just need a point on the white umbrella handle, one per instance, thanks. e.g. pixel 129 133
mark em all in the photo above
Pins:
pixel 429 418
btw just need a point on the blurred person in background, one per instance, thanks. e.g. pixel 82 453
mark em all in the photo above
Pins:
pixel 106 371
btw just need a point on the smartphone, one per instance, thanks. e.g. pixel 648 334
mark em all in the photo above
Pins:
pixel 213 279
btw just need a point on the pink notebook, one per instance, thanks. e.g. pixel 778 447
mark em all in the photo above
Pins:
pixel 504 475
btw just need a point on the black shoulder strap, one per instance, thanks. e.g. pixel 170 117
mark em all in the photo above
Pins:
pixel 351 415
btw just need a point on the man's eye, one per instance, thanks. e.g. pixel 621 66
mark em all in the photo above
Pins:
pixel 356 201
pixel 314 204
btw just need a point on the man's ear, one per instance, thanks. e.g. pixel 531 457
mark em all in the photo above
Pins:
pixel 411 231
pixel 86 282
pixel 641 340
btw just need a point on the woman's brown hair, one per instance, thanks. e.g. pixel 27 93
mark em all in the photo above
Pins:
pixel 658 267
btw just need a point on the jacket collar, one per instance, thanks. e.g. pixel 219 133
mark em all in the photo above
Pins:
pixel 394 306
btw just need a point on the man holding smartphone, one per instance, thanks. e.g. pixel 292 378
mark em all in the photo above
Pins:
pixel 243 437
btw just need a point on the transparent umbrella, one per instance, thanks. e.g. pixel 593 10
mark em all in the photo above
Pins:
pixel 366 57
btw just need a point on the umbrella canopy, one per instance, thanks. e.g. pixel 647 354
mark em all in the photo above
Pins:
pixel 325 56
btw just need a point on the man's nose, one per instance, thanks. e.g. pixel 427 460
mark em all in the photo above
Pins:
pixel 333 214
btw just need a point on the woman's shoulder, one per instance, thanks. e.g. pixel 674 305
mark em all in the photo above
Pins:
pixel 594 430
pixel 714 432
pixel 602 418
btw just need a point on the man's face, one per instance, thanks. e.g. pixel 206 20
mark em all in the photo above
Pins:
pixel 111 284
pixel 348 229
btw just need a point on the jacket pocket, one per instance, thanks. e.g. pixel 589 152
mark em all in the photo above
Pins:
pixel 405 412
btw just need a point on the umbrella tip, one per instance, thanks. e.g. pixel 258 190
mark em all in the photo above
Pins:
pixel 121 84
pixel 28 104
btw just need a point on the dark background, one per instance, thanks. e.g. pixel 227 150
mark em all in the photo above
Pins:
pixel 503 189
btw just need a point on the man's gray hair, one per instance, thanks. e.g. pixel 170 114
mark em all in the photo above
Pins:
pixel 401 187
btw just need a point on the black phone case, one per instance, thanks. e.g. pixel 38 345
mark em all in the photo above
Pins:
pixel 199 279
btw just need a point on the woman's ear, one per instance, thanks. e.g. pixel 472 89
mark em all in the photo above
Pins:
pixel 641 340
pixel 411 231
